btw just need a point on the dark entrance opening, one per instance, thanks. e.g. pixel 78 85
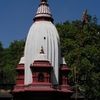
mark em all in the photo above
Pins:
pixel 41 77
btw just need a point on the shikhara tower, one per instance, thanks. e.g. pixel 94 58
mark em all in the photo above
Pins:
pixel 42 68
pixel 43 33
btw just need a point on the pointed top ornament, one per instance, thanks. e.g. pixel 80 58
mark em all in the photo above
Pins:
pixel 44 0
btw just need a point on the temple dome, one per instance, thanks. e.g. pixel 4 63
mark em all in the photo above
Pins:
pixel 43 33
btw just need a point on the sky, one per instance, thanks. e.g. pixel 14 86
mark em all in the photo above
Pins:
pixel 16 16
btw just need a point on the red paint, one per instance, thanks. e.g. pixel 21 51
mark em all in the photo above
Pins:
pixel 45 68
pixel 20 74
pixel 41 67
pixel 64 70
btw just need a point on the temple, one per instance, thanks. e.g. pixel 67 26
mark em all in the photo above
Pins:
pixel 42 72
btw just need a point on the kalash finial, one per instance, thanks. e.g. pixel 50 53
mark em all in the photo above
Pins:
pixel 44 0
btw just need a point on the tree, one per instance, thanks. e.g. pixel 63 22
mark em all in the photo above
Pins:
pixel 14 52
pixel 9 61
pixel 81 48
pixel 1 55
pixel 1 62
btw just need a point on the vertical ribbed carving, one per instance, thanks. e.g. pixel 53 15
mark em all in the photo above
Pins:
pixel 43 11
pixel 35 40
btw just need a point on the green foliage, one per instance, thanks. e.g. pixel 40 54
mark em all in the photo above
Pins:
pixel 1 61
pixel 1 55
pixel 9 58
pixel 81 48
pixel 14 52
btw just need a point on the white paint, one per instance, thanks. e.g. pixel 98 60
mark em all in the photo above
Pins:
pixel 51 46
pixel 63 61
pixel 43 33
pixel 22 61
pixel 43 10
pixel 41 57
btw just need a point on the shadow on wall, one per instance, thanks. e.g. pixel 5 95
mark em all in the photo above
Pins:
pixel 53 78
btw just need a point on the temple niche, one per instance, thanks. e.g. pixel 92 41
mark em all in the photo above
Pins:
pixel 42 72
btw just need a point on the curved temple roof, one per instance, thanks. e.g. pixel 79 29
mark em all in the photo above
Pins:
pixel 43 33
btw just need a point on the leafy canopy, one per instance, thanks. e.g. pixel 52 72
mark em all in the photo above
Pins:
pixel 81 49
